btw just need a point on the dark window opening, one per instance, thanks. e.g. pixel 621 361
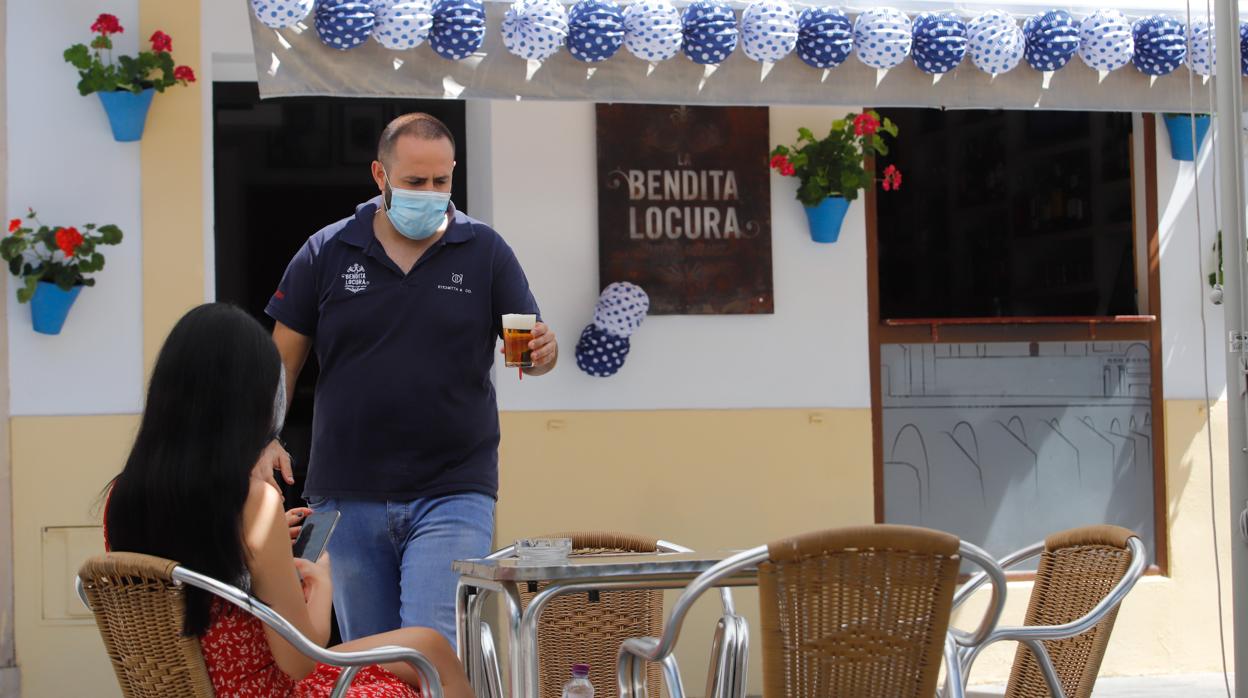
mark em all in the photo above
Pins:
pixel 1007 214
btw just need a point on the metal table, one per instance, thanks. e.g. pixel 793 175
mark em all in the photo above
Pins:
pixel 578 573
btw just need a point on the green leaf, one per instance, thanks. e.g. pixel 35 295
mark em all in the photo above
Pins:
pixel 110 234
pixel 804 134
pixel 26 292
pixel 779 150
pixel 78 56
pixel 15 266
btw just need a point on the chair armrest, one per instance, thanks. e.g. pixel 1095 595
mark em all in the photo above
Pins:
pixel 1009 561
pixel 725 594
pixel 707 580
pixel 994 573
pixel 432 683
pixel 1084 623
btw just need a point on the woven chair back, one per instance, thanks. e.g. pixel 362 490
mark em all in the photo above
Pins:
pixel 1077 569
pixel 139 612
pixel 857 611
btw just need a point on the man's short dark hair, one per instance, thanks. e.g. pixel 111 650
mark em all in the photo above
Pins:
pixel 419 124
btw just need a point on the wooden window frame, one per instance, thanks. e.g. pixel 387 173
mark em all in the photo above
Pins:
pixel 1036 329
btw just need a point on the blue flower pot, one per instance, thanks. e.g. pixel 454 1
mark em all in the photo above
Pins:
pixel 1180 128
pixel 127 112
pixel 50 305
pixel 826 218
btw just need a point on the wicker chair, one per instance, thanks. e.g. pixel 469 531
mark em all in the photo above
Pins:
pixel 857 612
pixel 139 604
pixel 587 628
pixel 1083 576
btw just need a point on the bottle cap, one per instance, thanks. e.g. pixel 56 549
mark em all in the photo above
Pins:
pixel 580 670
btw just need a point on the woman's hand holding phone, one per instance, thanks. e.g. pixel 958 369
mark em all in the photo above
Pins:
pixel 294 520
pixel 315 576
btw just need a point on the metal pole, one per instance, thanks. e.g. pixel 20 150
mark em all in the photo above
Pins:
pixel 1230 180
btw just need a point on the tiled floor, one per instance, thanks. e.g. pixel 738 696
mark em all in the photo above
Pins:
pixel 1170 686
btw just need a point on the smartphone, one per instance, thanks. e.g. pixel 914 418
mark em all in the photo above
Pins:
pixel 315 534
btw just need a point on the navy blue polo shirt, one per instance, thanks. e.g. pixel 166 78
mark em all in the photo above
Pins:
pixel 404 403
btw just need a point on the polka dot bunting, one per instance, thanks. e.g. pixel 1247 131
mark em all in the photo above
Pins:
pixel 1243 48
pixel 595 30
pixel 710 32
pixel 1051 40
pixel 768 30
pixel 825 37
pixel 1105 41
pixel 600 354
pixel 458 28
pixel 402 24
pixel 621 308
pixel 1160 44
pixel 939 42
pixel 882 37
pixel 652 30
pixel 995 42
pixel 281 14
pixel 344 24
pixel 535 29
pixel 1201 51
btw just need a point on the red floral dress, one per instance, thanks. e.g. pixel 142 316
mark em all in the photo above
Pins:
pixel 242 666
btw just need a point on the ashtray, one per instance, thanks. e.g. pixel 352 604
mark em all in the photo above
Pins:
pixel 543 549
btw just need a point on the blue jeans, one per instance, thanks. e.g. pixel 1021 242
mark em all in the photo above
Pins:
pixel 391 561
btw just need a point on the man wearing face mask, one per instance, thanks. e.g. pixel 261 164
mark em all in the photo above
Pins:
pixel 402 302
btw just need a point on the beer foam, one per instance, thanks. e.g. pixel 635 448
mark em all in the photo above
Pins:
pixel 519 322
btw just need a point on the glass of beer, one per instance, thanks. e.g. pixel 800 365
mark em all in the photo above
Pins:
pixel 517 333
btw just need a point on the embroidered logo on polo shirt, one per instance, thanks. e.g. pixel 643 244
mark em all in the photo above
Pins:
pixel 458 280
pixel 354 279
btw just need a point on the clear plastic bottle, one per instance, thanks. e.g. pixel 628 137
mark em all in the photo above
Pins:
pixel 578 686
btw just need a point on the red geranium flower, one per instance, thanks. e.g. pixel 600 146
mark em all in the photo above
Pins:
pixel 892 178
pixel 68 239
pixel 787 169
pixel 777 161
pixel 184 72
pixel 865 125
pixel 106 24
pixel 14 224
pixel 161 41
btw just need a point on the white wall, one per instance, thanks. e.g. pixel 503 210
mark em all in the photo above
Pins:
pixel 1187 258
pixel 811 353
pixel 64 163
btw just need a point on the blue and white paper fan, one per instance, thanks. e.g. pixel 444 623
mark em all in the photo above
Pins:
pixel 281 14
pixel 652 30
pixel 939 42
pixel 825 37
pixel 535 29
pixel 1201 48
pixel 601 354
pixel 402 24
pixel 621 308
pixel 1051 40
pixel 995 42
pixel 882 37
pixel 768 30
pixel 344 24
pixel 1160 44
pixel 1105 41
pixel 595 30
pixel 458 28
pixel 710 32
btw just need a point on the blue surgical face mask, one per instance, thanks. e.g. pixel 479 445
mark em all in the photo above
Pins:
pixel 417 215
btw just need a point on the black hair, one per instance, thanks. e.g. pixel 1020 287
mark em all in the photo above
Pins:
pixel 209 414
pixel 419 124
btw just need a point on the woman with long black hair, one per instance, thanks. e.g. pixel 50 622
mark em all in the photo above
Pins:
pixel 216 398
